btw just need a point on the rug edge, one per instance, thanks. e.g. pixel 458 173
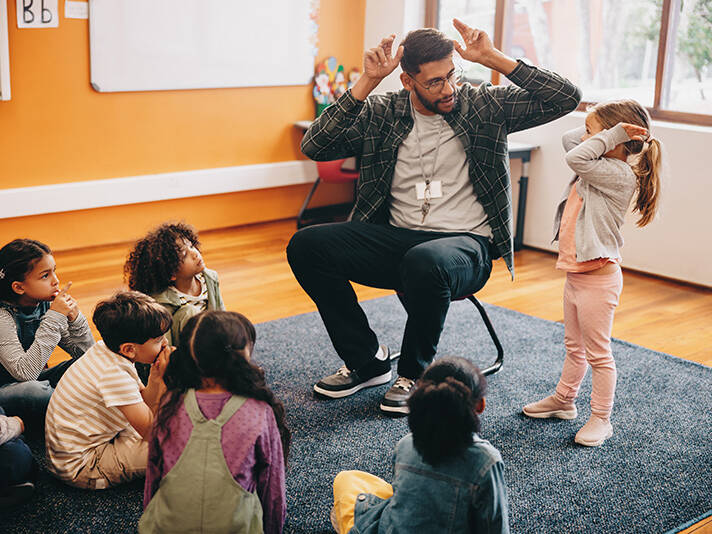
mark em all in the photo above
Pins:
pixel 690 523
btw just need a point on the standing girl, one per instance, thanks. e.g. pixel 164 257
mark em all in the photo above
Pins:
pixel 35 316
pixel 587 226
pixel 217 457
pixel 446 479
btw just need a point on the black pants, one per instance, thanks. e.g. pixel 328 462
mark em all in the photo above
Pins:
pixel 427 268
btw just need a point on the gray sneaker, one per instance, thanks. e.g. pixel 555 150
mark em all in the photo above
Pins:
pixel 345 382
pixel 396 399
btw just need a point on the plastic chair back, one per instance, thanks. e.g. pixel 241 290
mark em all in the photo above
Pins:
pixel 331 172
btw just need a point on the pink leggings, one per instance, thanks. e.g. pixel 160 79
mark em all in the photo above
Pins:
pixel 589 303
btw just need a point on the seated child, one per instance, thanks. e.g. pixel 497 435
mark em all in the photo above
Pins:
pixel 217 457
pixel 18 469
pixel 35 316
pixel 167 265
pixel 447 478
pixel 101 414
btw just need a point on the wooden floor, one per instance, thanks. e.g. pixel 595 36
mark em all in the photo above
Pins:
pixel 256 281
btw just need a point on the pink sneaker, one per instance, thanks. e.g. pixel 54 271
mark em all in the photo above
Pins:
pixel 594 432
pixel 550 407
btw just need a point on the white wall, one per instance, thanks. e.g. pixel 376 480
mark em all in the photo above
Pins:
pixel 677 244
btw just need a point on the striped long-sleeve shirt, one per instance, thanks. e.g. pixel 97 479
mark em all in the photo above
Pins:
pixel 482 117
pixel 54 330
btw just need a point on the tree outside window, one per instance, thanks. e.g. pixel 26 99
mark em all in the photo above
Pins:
pixel 609 48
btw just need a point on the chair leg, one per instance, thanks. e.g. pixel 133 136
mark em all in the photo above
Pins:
pixel 500 351
pixel 300 215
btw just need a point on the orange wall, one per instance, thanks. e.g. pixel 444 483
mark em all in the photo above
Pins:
pixel 57 129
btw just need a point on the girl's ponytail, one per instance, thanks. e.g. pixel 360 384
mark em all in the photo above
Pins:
pixel 443 409
pixel 647 170
pixel 217 344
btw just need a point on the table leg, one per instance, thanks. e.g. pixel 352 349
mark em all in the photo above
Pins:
pixel 521 208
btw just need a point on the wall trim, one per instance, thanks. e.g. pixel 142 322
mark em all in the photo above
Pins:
pixel 55 198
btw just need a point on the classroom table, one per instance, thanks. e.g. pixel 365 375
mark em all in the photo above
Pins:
pixel 522 151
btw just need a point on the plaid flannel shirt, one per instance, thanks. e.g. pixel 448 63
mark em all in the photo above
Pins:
pixel 482 117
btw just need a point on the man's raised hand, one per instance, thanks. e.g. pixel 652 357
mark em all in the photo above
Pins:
pixel 379 62
pixel 479 49
pixel 477 43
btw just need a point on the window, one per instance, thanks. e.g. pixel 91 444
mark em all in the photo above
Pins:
pixel 658 52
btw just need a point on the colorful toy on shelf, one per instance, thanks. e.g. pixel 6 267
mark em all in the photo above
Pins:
pixel 354 75
pixel 338 86
pixel 322 92
pixel 325 83
pixel 330 82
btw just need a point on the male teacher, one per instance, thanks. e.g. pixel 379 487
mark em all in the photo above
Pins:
pixel 434 204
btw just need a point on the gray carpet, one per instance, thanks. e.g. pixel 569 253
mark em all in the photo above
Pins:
pixel 653 475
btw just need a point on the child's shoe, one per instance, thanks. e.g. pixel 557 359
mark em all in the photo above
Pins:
pixel 550 407
pixel 594 432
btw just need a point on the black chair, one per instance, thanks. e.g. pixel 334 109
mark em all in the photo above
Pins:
pixel 485 318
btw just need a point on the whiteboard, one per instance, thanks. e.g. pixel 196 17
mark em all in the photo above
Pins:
pixel 149 45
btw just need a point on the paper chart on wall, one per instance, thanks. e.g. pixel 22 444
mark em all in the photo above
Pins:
pixel 147 45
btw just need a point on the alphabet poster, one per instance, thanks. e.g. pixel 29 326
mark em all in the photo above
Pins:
pixel 37 14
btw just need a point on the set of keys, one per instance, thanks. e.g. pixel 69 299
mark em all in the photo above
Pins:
pixel 425 207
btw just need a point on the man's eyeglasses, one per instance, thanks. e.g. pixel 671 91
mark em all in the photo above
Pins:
pixel 436 85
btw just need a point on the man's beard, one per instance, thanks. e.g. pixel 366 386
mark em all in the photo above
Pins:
pixel 433 106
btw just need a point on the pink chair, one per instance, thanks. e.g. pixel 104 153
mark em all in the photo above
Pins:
pixel 330 172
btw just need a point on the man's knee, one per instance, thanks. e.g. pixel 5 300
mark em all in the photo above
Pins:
pixel 422 268
pixel 302 245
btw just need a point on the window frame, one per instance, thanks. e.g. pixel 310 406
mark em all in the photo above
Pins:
pixel 663 72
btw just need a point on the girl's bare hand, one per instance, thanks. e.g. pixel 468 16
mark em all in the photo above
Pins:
pixel 635 132
pixel 64 303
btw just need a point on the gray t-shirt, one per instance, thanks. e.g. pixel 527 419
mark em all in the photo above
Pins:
pixel 458 210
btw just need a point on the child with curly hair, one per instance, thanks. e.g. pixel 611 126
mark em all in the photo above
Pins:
pixel 167 265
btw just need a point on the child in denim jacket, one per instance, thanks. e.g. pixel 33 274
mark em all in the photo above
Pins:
pixel 447 478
